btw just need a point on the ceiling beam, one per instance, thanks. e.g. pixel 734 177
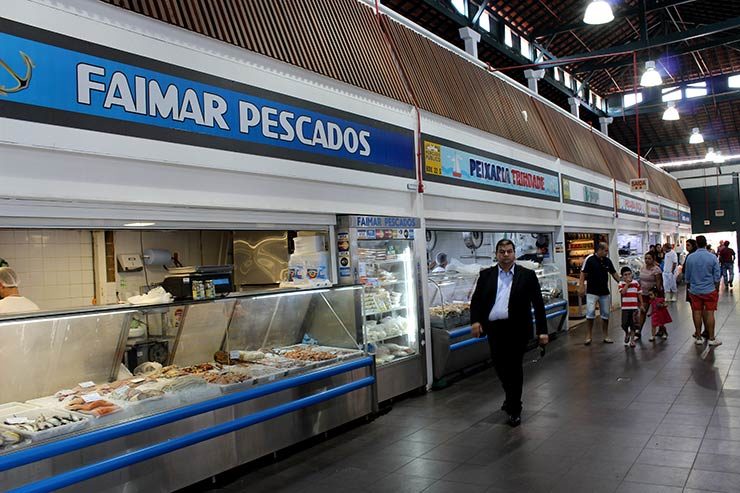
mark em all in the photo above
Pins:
pixel 490 40
pixel 713 43
pixel 481 9
pixel 665 40
pixel 619 14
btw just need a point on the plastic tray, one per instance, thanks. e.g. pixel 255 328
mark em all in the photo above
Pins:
pixel 32 414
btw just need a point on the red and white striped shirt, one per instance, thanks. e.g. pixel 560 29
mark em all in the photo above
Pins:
pixel 630 298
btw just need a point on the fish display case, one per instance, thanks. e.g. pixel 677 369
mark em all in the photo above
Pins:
pixel 454 348
pixel 235 379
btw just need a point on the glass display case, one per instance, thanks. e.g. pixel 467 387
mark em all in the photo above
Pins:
pixel 72 374
pixel 634 262
pixel 385 270
pixel 449 299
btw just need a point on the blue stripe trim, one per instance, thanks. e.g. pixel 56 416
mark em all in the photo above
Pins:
pixel 467 342
pixel 93 470
pixel 556 314
pixel 63 446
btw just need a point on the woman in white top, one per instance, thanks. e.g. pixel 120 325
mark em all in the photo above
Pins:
pixel 10 299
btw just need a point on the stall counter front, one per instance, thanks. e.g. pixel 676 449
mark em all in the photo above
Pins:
pixel 242 377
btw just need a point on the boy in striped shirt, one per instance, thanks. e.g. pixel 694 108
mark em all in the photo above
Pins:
pixel 630 291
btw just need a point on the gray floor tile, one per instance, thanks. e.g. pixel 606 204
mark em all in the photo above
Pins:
pixel 670 458
pixel 716 462
pixel 479 475
pixel 667 476
pixel 453 487
pixel 721 447
pixel 629 487
pixel 714 481
pixel 399 483
pixel 451 453
pixel 683 444
pixel 431 436
pixel 427 468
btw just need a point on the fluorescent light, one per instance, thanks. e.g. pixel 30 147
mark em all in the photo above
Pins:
pixel 696 136
pixel 710 155
pixel 671 113
pixel 139 225
pixel 733 157
pixel 598 12
pixel 651 77
pixel 718 158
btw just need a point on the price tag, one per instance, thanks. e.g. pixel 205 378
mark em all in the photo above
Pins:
pixel 234 354
pixel 86 385
pixel 121 391
pixel 16 420
pixel 137 380
pixel 91 397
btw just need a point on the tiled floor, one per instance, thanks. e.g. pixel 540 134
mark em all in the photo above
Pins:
pixel 663 417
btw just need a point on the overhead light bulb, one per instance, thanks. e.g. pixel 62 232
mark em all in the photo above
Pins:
pixel 598 12
pixel 696 136
pixel 710 154
pixel 718 158
pixel 671 113
pixel 650 77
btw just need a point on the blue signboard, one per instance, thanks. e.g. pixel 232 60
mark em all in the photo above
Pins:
pixel 668 213
pixel 684 217
pixel 54 79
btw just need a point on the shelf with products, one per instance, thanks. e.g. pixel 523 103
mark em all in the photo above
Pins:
pixel 222 348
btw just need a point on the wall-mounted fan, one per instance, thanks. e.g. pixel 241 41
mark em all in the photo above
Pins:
pixel 473 239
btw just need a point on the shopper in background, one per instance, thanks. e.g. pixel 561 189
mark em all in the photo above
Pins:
pixel 670 265
pixel 702 274
pixel 629 289
pixel 690 248
pixel 501 307
pixel 650 277
pixel 659 256
pixel 11 301
pixel 594 281
pixel 440 262
pixel 727 264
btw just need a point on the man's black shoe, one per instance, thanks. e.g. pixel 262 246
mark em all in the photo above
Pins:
pixel 514 421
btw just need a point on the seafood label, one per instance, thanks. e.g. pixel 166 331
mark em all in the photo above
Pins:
pixel 16 420
pixel 91 397
pixel 234 354
pixel 137 380
pixel 86 385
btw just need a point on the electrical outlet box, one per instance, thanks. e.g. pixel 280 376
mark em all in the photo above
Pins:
pixel 130 262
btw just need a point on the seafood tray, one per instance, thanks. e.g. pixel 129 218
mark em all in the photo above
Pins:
pixel 10 439
pixel 255 374
pixel 36 415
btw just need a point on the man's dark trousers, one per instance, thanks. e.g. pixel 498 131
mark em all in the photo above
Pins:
pixel 507 352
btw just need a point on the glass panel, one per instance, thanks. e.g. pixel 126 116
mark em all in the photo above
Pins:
pixel 461 6
pixel 203 332
pixel 485 22
pixel 508 38
pixel 524 48
pixel 556 73
pixel 672 94
pixel 41 356
pixel 628 100
pixel 567 80
pixel 696 89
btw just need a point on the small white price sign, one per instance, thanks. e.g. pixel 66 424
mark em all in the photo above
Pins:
pixel 86 385
pixel 234 354
pixel 91 397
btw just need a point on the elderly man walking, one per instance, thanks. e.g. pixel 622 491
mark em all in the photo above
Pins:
pixel 702 274
pixel 670 264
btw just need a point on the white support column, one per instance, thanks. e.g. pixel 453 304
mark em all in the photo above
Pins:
pixel 605 122
pixel 575 105
pixel 533 76
pixel 471 37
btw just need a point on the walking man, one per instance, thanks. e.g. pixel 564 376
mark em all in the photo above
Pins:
pixel 501 307
pixel 702 276
pixel 727 264
pixel 595 274
pixel 670 264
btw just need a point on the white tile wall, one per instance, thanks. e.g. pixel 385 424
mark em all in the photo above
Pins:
pixel 55 266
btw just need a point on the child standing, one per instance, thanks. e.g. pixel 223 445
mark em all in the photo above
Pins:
pixel 659 315
pixel 629 289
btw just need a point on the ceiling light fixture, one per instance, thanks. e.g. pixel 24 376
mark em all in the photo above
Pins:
pixel 696 136
pixel 138 225
pixel 718 158
pixel 671 113
pixel 598 12
pixel 650 77
pixel 710 154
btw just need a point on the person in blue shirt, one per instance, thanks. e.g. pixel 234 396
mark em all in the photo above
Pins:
pixel 702 275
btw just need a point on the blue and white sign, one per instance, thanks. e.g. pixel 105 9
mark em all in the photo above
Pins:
pixel 668 214
pixel 460 165
pixel 63 81
pixel 384 222
pixel 653 210
pixel 684 217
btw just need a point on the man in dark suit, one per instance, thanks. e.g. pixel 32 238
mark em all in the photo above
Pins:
pixel 501 308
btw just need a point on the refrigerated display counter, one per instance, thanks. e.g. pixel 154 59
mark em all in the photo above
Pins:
pixel 243 376
pixel 454 349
